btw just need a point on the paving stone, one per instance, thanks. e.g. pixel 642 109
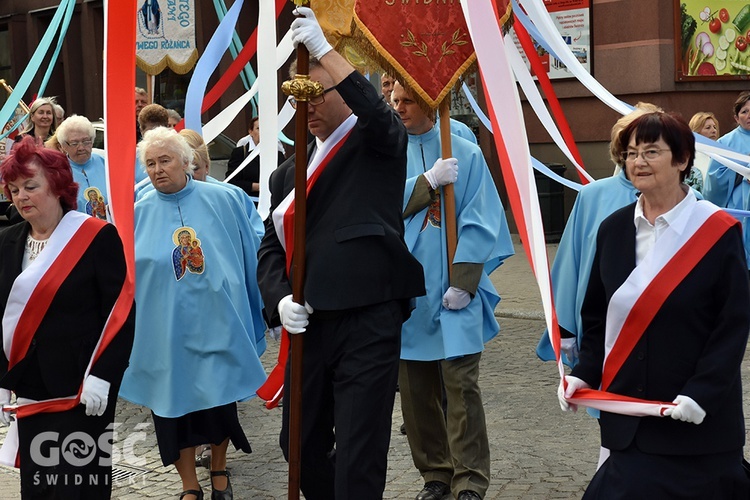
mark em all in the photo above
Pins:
pixel 537 451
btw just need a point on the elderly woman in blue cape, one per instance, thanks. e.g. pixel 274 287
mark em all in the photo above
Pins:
pixel 195 252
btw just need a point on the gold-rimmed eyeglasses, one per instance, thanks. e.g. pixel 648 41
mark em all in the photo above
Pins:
pixel 315 101
pixel 648 155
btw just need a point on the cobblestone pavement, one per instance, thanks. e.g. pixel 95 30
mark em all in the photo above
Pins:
pixel 538 452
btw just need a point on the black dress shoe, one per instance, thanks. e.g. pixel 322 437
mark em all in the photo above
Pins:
pixel 468 495
pixel 197 493
pixel 225 494
pixel 433 490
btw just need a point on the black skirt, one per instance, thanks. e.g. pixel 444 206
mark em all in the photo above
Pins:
pixel 67 455
pixel 630 473
pixel 211 426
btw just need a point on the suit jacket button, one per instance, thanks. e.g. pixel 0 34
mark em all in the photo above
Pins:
pixel 639 388
pixel 641 356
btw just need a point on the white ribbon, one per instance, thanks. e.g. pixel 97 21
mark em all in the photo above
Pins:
pixel 523 76
pixel 285 116
pixel 220 122
pixel 538 14
pixel 502 92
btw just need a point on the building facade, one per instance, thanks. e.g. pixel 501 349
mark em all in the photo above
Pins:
pixel 632 55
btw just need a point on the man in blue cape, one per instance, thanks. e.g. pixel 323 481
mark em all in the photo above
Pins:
pixel 443 340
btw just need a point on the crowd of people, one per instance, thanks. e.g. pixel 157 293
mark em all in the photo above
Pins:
pixel 384 308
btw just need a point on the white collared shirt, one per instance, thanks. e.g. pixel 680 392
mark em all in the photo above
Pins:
pixel 335 136
pixel 646 234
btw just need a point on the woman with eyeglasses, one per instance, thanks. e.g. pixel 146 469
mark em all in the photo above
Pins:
pixel 76 137
pixel 665 319
pixel 724 186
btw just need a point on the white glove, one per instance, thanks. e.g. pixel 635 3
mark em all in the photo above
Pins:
pixel 94 395
pixel 442 172
pixel 574 383
pixel 456 298
pixel 306 30
pixel 294 316
pixel 569 347
pixel 4 400
pixel 686 410
pixel 275 333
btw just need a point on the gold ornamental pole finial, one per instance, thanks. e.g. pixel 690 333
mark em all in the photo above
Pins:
pixel 302 88
pixel 9 90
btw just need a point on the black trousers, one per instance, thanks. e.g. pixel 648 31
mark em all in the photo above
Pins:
pixel 350 368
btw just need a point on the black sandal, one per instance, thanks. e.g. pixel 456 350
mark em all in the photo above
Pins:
pixel 198 494
pixel 225 494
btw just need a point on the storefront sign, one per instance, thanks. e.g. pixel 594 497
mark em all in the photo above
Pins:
pixel 573 20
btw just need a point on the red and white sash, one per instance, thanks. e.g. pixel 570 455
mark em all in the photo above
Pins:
pixel 283 220
pixel 634 305
pixel 30 297
pixel 283 214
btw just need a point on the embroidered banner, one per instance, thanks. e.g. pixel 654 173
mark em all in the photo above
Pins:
pixel 426 44
pixel 165 36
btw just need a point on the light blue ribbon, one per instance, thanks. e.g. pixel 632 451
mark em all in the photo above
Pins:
pixel 206 65
pixel 529 25
pixel 23 84
pixel 247 75
pixel 60 40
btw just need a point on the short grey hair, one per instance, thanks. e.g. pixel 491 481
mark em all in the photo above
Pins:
pixel 168 138
pixel 73 124
pixel 172 113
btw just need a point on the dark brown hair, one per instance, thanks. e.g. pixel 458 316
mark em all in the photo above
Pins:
pixel 675 131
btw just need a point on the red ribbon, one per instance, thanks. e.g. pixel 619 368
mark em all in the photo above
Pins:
pixel 549 92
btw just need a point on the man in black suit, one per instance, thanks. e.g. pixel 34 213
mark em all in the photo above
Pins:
pixel 249 178
pixel 360 276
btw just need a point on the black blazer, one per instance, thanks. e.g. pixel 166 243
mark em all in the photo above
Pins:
pixel 356 255
pixel 251 172
pixel 66 338
pixel 694 345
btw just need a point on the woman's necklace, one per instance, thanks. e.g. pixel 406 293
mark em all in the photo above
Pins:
pixel 34 247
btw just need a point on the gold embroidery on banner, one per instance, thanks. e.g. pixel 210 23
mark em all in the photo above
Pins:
pixel 412 42
pixel 455 40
